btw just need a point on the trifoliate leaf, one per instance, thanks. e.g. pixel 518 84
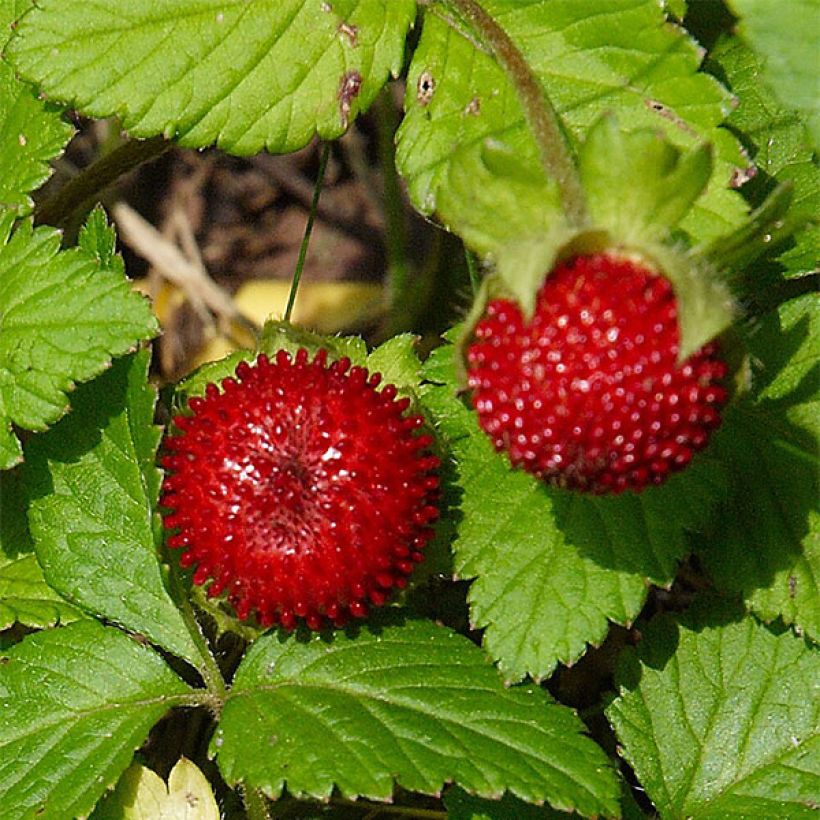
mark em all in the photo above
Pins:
pixel 552 568
pixel 766 541
pixel 33 131
pixel 407 702
pixel 785 36
pixel 76 701
pixel 718 717
pixel 776 139
pixel 141 794
pixel 600 55
pixel 93 486
pixel 63 317
pixel 247 76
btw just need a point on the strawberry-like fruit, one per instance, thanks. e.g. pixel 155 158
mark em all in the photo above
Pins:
pixel 301 489
pixel 589 394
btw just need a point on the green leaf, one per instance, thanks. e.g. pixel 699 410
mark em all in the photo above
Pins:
pixel 32 132
pixel 718 717
pixel 25 597
pixel 141 794
pixel 552 568
pixel 62 318
pixel 247 76
pixel 766 541
pixel 93 486
pixel 408 702
pixel 398 363
pixel 785 35
pixel 599 55
pixel 76 701
pixel 776 140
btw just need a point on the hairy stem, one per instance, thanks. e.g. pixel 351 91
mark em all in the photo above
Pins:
pixel 209 668
pixel 542 117
pixel 85 189
pixel 475 281
pixel 300 263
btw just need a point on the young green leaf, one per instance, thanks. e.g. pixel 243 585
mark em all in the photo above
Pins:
pixel 551 568
pixel 76 701
pixel 766 541
pixel 64 317
pixel 785 36
pixel 33 131
pixel 718 717
pixel 247 76
pixel 407 702
pixel 142 794
pixel 93 487
pixel 604 55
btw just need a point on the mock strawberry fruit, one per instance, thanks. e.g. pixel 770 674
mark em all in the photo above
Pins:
pixel 589 394
pixel 300 489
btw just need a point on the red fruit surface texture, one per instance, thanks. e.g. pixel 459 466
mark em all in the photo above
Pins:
pixel 588 394
pixel 300 489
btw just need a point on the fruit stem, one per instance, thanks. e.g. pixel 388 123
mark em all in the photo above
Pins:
pixel 314 205
pixel 209 668
pixel 543 119
pixel 81 192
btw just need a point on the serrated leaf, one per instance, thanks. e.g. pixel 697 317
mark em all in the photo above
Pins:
pixel 552 568
pixel 776 139
pixel 766 541
pixel 25 597
pixel 93 486
pixel 407 702
pixel 785 37
pixel 591 56
pixel 247 76
pixel 719 718
pixel 62 318
pixel 76 701
pixel 141 794
pixel 32 132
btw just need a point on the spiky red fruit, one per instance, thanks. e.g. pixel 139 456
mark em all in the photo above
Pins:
pixel 588 394
pixel 300 489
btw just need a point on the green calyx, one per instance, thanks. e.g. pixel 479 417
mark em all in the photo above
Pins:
pixel 638 188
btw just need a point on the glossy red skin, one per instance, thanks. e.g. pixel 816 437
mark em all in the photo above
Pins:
pixel 588 394
pixel 301 489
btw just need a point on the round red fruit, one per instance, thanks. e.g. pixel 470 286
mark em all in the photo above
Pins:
pixel 589 394
pixel 302 488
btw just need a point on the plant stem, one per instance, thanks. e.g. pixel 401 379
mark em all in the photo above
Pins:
pixel 395 225
pixel 300 263
pixel 255 803
pixel 389 808
pixel 541 115
pixel 85 189
pixel 209 668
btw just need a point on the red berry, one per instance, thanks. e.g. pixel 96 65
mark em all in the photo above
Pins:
pixel 588 394
pixel 301 489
